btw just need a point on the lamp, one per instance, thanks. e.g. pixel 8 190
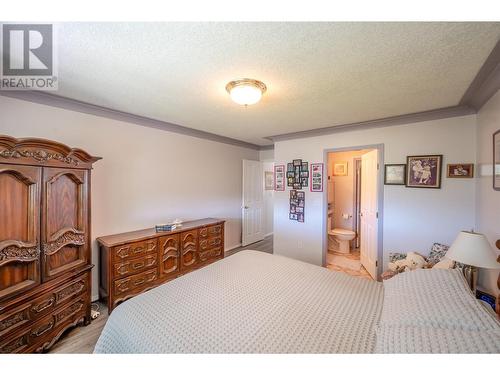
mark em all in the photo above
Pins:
pixel 473 250
pixel 246 91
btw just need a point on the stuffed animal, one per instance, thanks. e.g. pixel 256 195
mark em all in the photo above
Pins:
pixel 411 262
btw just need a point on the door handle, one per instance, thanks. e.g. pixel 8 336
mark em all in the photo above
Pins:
pixel 246 207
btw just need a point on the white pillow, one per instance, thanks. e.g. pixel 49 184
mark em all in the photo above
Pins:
pixel 445 263
pixel 438 298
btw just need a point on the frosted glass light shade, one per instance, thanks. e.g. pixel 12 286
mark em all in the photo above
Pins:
pixel 473 249
pixel 246 91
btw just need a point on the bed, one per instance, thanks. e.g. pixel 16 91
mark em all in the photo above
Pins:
pixel 253 302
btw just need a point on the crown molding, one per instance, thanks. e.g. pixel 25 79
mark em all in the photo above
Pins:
pixel 434 114
pixel 486 82
pixel 52 100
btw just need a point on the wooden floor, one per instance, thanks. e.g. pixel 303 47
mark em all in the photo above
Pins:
pixel 83 339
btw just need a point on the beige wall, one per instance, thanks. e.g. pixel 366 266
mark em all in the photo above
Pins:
pixel 341 188
pixel 487 199
pixel 146 175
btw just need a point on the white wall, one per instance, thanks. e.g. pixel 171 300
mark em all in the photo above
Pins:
pixel 267 159
pixel 488 200
pixel 413 218
pixel 268 166
pixel 146 175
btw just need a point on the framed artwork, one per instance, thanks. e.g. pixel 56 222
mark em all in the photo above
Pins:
pixel 424 171
pixel 316 177
pixel 496 160
pixel 340 168
pixel 279 177
pixel 460 170
pixel 297 174
pixel 268 180
pixel 297 205
pixel 395 174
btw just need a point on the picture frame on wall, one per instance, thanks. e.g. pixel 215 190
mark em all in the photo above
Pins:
pixel 316 177
pixel 496 160
pixel 424 171
pixel 340 168
pixel 395 174
pixel 279 178
pixel 268 180
pixel 463 170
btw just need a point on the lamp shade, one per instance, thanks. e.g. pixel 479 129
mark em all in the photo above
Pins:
pixel 473 249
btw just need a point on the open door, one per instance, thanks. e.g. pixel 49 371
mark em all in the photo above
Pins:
pixel 253 202
pixel 369 212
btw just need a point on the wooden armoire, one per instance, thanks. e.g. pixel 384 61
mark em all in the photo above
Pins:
pixel 45 253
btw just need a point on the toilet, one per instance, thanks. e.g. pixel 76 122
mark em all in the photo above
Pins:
pixel 342 237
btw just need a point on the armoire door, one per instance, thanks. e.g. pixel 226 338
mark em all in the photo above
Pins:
pixel 64 221
pixel 19 229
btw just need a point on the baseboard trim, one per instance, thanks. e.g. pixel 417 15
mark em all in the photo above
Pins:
pixel 94 298
pixel 269 234
pixel 232 247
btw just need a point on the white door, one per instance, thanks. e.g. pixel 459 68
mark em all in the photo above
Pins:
pixel 253 202
pixel 369 212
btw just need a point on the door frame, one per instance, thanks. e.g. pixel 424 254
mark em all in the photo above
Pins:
pixel 380 201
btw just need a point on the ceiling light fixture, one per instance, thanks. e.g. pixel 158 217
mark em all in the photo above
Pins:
pixel 246 91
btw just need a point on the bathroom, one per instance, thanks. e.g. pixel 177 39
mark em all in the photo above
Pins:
pixel 348 196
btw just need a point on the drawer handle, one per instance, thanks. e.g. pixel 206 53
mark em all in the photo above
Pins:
pixel 139 281
pixel 43 330
pixel 39 308
pixel 138 249
pixel 137 265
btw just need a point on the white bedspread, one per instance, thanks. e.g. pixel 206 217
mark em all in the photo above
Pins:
pixel 250 302
pixel 254 302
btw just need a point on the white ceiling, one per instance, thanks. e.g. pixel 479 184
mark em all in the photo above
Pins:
pixel 317 74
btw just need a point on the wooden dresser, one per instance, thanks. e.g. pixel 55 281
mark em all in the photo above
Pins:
pixel 133 262
pixel 44 242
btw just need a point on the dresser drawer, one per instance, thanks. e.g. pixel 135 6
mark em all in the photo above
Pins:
pixel 207 255
pixel 41 333
pixel 134 249
pixel 22 315
pixel 210 243
pixel 132 283
pixel 214 230
pixel 134 266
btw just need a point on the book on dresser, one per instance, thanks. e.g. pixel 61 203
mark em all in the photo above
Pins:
pixel 133 262
pixel 45 263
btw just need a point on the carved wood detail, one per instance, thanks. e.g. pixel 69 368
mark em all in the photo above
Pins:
pixel 69 237
pixel 15 345
pixel 40 156
pixel 43 151
pixel 71 310
pixel 206 255
pixel 18 251
pixel 72 290
pixel 13 320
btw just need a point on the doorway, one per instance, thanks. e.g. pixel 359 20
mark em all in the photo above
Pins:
pixel 353 211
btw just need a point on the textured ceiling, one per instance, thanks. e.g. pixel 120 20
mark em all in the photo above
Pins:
pixel 317 74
